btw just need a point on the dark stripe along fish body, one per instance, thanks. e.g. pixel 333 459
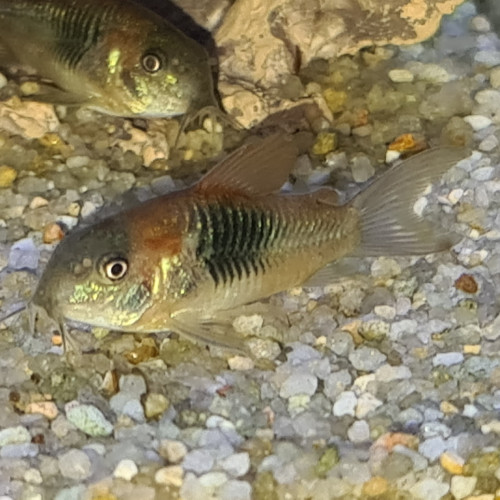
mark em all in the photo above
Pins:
pixel 180 261
pixel 111 55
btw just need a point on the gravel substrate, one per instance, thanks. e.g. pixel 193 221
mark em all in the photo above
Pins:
pixel 380 386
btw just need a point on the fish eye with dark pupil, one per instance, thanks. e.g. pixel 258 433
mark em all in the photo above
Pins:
pixel 151 62
pixel 115 268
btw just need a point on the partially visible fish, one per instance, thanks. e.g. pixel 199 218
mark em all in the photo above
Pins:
pixel 177 261
pixel 111 55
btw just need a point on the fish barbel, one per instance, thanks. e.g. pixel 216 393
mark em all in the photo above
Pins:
pixel 111 55
pixel 177 261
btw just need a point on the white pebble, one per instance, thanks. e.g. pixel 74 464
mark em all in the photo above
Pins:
pixel 386 312
pixel 477 122
pixel 75 464
pixel 236 465
pixel 366 403
pixel 3 80
pixel 401 76
pixel 126 469
pixel 480 24
pixel 299 383
pixel 429 489
pixel 455 196
pixel 345 404
pixel 33 476
pixel 14 435
pixel 462 486
pixel 483 173
pixel 488 144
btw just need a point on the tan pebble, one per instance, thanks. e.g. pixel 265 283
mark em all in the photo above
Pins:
pixel 74 209
pixel 173 451
pixel 7 176
pixel 46 408
pixel 392 439
pixel 52 233
pixel 110 382
pixel 375 486
pixel 29 88
pixel 170 476
pixel 240 363
pixel 38 202
pixel 452 463
pixel 155 405
pixel 472 348
pixel 448 408
pixel 57 340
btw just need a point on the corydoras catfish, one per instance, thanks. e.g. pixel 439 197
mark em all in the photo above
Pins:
pixel 177 262
pixel 111 55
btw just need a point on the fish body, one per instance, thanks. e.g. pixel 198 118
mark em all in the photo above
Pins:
pixel 177 261
pixel 111 55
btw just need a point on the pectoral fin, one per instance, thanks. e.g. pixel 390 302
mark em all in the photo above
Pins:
pixel 54 95
pixel 207 331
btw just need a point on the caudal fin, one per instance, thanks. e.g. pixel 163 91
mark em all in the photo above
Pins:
pixel 389 226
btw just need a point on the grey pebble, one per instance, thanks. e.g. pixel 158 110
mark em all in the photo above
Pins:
pixel 75 464
pixel 367 359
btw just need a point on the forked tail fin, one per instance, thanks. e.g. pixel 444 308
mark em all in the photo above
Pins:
pixel 389 226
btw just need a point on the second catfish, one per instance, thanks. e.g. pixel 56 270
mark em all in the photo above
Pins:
pixel 111 55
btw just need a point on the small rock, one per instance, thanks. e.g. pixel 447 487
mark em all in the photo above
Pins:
pixel 483 174
pixel 359 432
pixel 155 405
pixel 133 385
pixel 173 451
pixel 33 476
pixel 452 463
pixel 447 358
pixel 88 419
pixel 375 487
pixel 236 465
pixel 126 469
pixel 75 464
pixel 429 489
pixel 240 363
pixel 345 404
pixel 401 76
pixel 386 312
pixel 248 325
pixel 14 435
pixel 478 122
pixel 362 169
pixel 46 408
pixel 495 78
pixel 462 486
pixel 235 490
pixel 480 24
pixel 198 461
pixel 52 233
pixel 7 176
pixel 366 404
pixel 24 255
pixel 170 476
pixel 366 359
pixel 299 383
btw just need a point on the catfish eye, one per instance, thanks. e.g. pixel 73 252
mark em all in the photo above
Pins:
pixel 115 268
pixel 151 62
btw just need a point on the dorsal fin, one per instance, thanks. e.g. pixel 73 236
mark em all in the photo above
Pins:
pixel 256 169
